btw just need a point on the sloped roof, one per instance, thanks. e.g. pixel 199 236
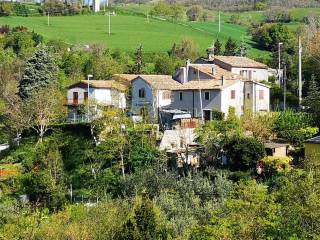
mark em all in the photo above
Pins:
pixel 314 140
pixel 219 72
pixel 127 77
pixel 166 82
pixel 163 82
pixel 103 84
pixel 236 61
pixel 206 84
pixel 273 145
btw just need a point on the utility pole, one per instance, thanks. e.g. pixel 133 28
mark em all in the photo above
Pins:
pixel 300 73
pixel 200 96
pixel 48 18
pixel 71 193
pixel 279 59
pixel 109 22
pixel 284 86
pixel 88 113
pixel 219 21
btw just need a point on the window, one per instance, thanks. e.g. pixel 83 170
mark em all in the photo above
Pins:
pixel 180 96
pixel 75 98
pixel 244 73
pixel 233 94
pixel 166 95
pixel 250 75
pixel 248 95
pixel 207 95
pixel 261 94
pixel 85 96
pixel 142 93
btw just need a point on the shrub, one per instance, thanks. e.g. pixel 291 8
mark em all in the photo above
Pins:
pixel 244 152
pixel 217 115
pixel 275 15
pixel 295 127
pixel 260 6
pixel 271 165
pixel 194 13
pixel 21 10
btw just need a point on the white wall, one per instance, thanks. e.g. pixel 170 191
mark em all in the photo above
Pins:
pixel 191 101
pixel 101 96
pixel 161 101
pixel 138 103
pixel 227 101
pixel 96 5
pixel 257 73
pixel 80 91
pixel 264 104
pixel 253 102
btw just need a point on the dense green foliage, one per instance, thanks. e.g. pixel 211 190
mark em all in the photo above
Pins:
pixel 107 179
pixel 40 71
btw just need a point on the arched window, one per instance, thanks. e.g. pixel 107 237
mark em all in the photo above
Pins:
pixel 142 93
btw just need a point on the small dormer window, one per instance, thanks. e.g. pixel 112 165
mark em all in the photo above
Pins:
pixel 180 96
pixel 142 93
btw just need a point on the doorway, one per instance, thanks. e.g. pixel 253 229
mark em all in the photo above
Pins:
pixel 207 115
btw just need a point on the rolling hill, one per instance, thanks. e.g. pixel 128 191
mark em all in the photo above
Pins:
pixel 127 31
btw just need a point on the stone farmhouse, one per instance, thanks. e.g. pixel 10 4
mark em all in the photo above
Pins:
pixel 199 89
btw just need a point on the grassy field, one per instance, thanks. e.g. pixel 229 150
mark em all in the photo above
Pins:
pixel 128 31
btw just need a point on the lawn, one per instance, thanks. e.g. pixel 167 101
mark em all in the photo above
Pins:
pixel 128 31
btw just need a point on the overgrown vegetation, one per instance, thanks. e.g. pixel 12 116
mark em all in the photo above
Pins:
pixel 107 179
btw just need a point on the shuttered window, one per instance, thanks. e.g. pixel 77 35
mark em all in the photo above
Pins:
pixel 142 93
pixel 233 94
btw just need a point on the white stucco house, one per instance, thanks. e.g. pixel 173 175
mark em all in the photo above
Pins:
pixel 220 89
pixel 151 93
pixel 248 68
pixel 199 89
pixel 101 92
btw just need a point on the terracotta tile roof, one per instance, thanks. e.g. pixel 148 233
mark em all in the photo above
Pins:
pixel 100 84
pixel 127 77
pixel 206 84
pixel 236 61
pixel 219 72
pixel 165 82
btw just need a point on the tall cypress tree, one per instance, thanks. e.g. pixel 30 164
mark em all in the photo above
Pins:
pixel 230 48
pixel 139 60
pixel 312 100
pixel 40 71
pixel 217 48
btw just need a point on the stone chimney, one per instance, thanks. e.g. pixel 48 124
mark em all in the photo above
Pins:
pixel 214 70
pixel 223 79
pixel 181 75
pixel 210 56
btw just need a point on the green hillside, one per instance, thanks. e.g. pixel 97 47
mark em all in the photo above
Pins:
pixel 129 31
